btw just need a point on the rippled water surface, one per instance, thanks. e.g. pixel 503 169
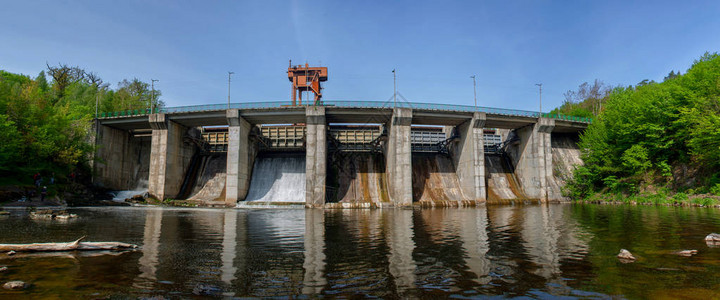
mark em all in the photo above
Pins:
pixel 509 251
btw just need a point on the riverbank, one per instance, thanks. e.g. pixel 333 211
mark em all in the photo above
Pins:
pixel 660 198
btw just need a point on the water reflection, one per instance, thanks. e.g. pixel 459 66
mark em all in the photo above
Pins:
pixel 400 242
pixel 536 250
pixel 151 244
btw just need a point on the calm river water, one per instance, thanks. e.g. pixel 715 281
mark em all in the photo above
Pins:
pixel 538 251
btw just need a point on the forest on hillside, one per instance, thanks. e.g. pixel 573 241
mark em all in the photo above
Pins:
pixel 46 121
pixel 654 139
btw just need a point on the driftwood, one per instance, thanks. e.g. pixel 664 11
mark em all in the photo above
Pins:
pixel 72 246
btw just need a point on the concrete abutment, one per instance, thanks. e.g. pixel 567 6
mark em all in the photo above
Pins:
pixel 122 161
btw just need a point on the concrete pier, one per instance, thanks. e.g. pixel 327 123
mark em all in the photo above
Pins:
pixel 239 158
pixel 316 156
pixel 399 157
pixel 469 157
pixel 169 157
pixel 533 160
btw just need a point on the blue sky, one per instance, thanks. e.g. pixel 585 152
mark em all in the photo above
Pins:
pixel 434 45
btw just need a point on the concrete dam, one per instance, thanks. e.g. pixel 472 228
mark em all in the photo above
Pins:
pixel 338 154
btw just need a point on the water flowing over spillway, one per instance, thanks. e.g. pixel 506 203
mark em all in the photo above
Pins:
pixel 357 178
pixel 278 178
pixel 434 179
pixel 501 181
pixel 140 189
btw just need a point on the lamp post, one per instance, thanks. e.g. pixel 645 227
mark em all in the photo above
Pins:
pixel 229 74
pixel 474 92
pixel 540 85
pixel 152 95
pixel 394 90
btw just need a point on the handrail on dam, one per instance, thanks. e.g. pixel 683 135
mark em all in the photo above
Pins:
pixel 347 104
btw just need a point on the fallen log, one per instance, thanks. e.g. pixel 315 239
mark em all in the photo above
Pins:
pixel 72 246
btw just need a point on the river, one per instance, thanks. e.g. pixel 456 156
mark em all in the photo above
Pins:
pixel 537 251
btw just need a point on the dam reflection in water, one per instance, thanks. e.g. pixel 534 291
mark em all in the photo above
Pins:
pixel 396 252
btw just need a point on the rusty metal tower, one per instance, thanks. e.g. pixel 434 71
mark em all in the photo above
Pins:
pixel 306 78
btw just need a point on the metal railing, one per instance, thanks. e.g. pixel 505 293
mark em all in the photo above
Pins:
pixel 348 104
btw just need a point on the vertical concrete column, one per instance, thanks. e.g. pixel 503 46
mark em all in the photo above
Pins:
pixel 534 163
pixel 315 156
pixel 469 158
pixel 169 157
pixel 399 157
pixel 237 179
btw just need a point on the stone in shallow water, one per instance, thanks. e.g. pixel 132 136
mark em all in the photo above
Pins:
pixel 713 237
pixel 3 269
pixel 15 285
pixel 686 252
pixel 625 256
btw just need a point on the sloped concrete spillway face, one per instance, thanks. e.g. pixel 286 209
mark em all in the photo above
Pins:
pixel 502 185
pixel 435 181
pixel 565 157
pixel 278 178
pixel 357 177
pixel 210 182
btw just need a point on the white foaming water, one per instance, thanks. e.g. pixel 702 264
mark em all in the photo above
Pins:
pixel 278 179
pixel 141 189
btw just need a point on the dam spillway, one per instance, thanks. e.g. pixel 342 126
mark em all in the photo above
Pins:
pixel 381 165
pixel 357 177
pixel 502 184
pixel 435 181
pixel 278 178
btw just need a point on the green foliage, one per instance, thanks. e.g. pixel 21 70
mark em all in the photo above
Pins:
pixel 635 159
pixel 715 190
pixel 44 126
pixel 650 127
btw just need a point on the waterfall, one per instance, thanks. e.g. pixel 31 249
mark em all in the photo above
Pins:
pixel 140 189
pixel 278 179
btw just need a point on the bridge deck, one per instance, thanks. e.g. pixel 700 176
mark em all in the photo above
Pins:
pixel 353 112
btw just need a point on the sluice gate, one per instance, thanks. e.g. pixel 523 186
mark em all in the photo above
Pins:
pixel 282 138
pixel 356 138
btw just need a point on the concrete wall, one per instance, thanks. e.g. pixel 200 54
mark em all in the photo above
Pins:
pixel 169 157
pixel 239 158
pixel 316 156
pixel 533 158
pixel 122 161
pixel 468 155
pixel 399 157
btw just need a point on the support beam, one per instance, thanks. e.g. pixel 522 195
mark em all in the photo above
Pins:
pixel 169 157
pixel 399 157
pixel 469 158
pixel 239 158
pixel 533 161
pixel 316 156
